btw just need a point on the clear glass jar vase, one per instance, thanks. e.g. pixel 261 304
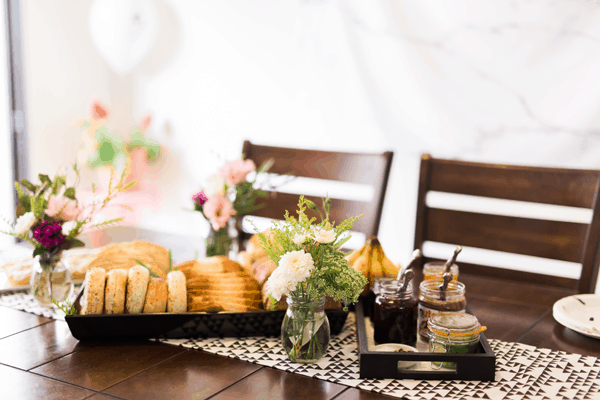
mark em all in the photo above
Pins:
pixel 50 280
pixel 223 242
pixel 305 330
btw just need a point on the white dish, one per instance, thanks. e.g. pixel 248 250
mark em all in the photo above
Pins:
pixel 394 347
pixel 580 312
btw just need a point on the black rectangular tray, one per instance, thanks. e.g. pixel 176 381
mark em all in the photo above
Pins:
pixel 187 325
pixel 480 366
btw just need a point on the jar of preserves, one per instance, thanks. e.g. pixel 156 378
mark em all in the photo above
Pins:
pixel 454 333
pixel 395 314
pixel 432 301
pixel 435 270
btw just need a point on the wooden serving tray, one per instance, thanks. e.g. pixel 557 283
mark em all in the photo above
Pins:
pixel 188 325
pixel 480 366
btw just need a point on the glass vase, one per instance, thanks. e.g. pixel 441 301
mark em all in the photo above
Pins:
pixel 223 242
pixel 305 330
pixel 50 280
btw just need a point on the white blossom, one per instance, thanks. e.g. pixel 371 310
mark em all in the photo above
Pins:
pixel 324 236
pixel 68 227
pixel 294 267
pixel 24 223
pixel 299 239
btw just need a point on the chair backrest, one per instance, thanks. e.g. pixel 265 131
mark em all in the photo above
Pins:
pixel 370 169
pixel 558 240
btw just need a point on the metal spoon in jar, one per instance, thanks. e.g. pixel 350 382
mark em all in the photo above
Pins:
pixel 447 276
pixel 415 257
pixel 408 276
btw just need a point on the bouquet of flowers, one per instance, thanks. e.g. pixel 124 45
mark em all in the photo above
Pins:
pixel 310 267
pixel 231 194
pixel 50 219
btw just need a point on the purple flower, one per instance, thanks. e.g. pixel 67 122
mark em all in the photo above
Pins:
pixel 199 198
pixel 49 234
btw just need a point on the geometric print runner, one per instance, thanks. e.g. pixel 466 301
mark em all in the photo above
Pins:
pixel 522 372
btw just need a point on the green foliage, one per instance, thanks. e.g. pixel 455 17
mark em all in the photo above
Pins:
pixel 68 308
pixel 152 273
pixel 332 276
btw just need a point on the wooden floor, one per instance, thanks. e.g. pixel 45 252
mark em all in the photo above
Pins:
pixel 40 359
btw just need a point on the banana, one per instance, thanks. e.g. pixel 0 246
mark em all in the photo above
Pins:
pixel 389 269
pixel 371 261
pixel 352 257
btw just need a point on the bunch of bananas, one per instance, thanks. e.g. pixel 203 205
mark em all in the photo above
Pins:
pixel 372 262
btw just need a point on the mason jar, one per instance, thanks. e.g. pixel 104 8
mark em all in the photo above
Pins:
pixel 395 314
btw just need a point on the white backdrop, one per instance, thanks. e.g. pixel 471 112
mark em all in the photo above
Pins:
pixel 496 81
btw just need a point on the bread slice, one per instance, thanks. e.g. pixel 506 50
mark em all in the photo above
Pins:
pixel 92 299
pixel 114 294
pixel 177 300
pixel 137 285
pixel 156 296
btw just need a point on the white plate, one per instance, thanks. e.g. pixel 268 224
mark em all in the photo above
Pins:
pixel 393 347
pixel 580 312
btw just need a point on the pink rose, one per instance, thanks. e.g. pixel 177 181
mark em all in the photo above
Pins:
pixel 62 208
pixel 146 121
pixel 98 111
pixel 199 198
pixel 218 209
pixel 234 171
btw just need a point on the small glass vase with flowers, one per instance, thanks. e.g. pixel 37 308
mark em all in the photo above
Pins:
pixel 311 267
pixel 50 219
pixel 231 194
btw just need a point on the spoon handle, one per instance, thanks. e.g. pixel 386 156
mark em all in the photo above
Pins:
pixel 415 258
pixel 452 259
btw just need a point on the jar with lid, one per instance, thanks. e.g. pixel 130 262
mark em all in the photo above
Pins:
pixel 453 333
pixel 375 291
pixel 432 301
pixel 395 314
pixel 435 270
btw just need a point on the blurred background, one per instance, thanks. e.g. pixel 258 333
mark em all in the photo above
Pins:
pixel 500 81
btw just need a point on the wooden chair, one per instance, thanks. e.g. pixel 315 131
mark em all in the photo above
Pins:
pixel 567 241
pixel 371 169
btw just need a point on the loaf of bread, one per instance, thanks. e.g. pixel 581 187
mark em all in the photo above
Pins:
pixel 18 272
pixel 124 256
pixel 156 296
pixel 137 285
pixel 78 261
pixel 220 284
pixel 92 299
pixel 114 295
pixel 176 285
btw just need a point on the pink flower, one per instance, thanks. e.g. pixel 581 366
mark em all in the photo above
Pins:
pixel 98 111
pixel 218 209
pixel 146 121
pixel 234 171
pixel 62 208
pixel 199 198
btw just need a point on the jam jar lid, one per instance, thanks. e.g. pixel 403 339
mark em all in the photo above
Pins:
pixel 392 287
pixel 454 325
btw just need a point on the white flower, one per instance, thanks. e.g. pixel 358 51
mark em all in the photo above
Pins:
pixel 324 236
pixel 215 185
pixel 24 223
pixel 299 239
pixel 68 227
pixel 294 267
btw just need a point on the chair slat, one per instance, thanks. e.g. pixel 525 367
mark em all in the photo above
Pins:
pixel 566 187
pixel 541 238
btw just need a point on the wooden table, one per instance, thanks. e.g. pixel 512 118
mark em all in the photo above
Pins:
pixel 40 359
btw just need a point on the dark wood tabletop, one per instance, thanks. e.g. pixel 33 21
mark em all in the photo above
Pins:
pixel 39 358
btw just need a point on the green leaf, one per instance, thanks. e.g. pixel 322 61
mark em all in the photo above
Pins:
pixel 29 186
pixel 171 262
pixel 38 251
pixel 70 193
pixel 37 206
pixel 152 273
pixel 76 243
pixel 58 183
pixel 266 166
pixel 45 179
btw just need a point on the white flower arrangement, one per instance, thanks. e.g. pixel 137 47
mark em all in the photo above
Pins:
pixel 310 262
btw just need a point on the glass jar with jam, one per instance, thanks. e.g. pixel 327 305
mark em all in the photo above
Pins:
pixel 432 301
pixel 375 291
pixel 435 270
pixel 454 333
pixel 395 314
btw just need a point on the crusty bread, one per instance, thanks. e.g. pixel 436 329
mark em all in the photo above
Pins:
pixel 137 285
pixel 78 261
pixel 220 284
pixel 92 299
pixel 124 255
pixel 156 296
pixel 114 294
pixel 177 301
pixel 18 272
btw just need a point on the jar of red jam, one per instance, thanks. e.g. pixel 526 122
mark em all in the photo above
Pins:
pixel 395 314
pixel 432 301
